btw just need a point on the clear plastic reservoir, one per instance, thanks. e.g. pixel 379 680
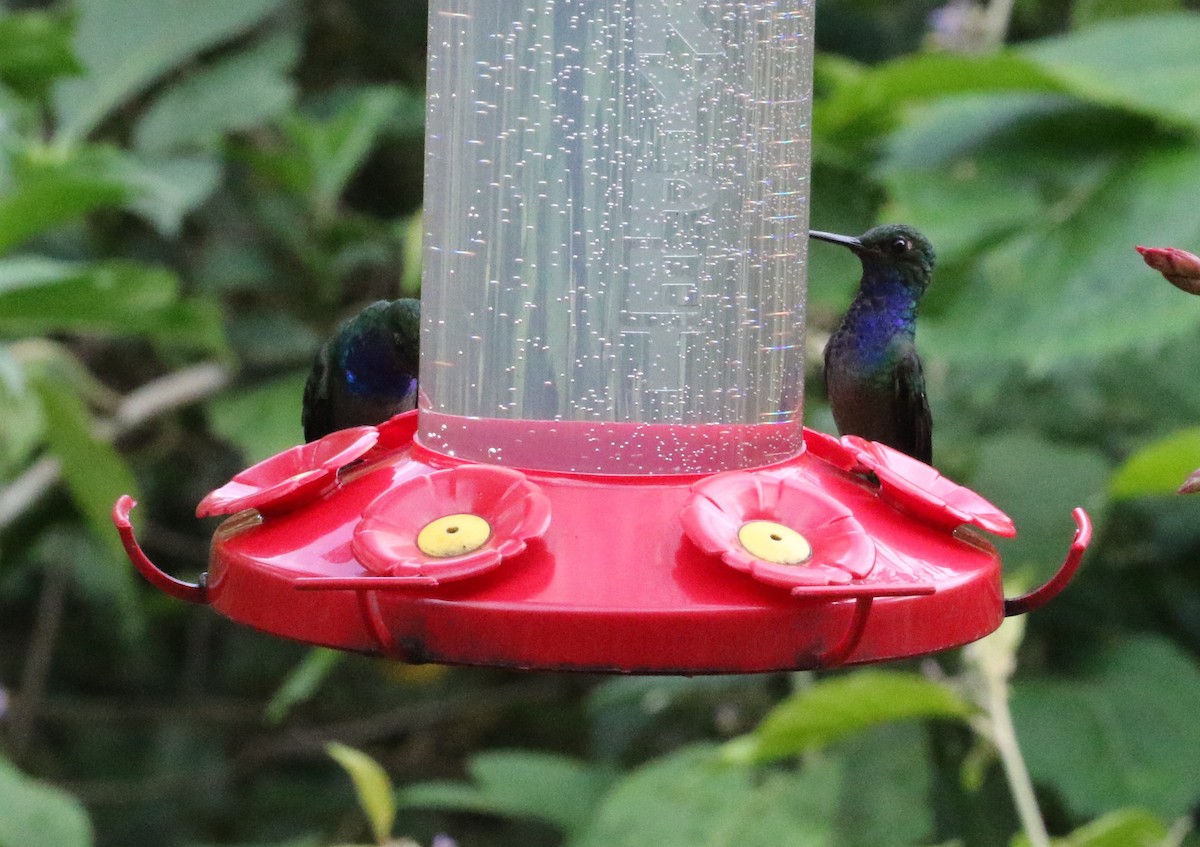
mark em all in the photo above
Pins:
pixel 616 212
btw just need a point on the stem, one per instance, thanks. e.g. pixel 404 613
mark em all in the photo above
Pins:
pixel 155 398
pixel 994 660
pixel 38 658
pixel 996 21
pixel 1179 831
pixel 1004 736
pixel 167 393
pixel 28 488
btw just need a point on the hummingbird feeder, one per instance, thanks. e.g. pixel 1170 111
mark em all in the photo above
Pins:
pixel 608 470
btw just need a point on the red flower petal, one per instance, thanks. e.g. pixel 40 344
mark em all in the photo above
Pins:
pixel 395 433
pixel 516 510
pixel 719 506
pixel 922 491
pixel 291 478
pixel 831 450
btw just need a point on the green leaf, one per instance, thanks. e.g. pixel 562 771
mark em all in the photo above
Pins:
pixel 841 706
pixel 50 190
pixel 326 152
pixel 262 420
pixel 408 118
pixel 302 683
pixel 22 423
pixel 937 171
pixel 242 91
pixel 1124 734
pixel 869 105
pixel 1121 828
pixel 413 239
pixel 1038 483
pixel 35 49
pixel 1157 56
pixel 39 295
pixel 93 470
pixel 553 789
pixel 885 788
pixel 1085 12
pixel 1070 285
pixel 688 799
pixel 126 45
pixel 1034 203
pixel 165 190
pixel 372 786
pixel 96 476
pixel 1159 467
pixel 19 119
pixel 1057 195
pixel 53 188
pixel 45 359
pixel 35 814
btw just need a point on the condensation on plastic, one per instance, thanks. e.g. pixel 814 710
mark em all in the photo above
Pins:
pixel 616 208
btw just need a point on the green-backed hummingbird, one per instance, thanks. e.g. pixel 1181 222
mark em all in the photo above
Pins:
pixel 872 371
pixel 367 371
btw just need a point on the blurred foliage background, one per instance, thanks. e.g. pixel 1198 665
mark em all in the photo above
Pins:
pixel 192 194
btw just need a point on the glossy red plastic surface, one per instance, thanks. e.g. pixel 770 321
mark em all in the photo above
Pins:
pixel 291 478
pixel 637 574
pixel 385 540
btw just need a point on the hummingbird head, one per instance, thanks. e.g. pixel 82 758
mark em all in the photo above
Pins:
pixel 403 319
pixel 382 343
pixel 890 251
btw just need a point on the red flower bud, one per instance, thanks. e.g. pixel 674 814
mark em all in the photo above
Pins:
pixel 1181 268
pixel 1192 484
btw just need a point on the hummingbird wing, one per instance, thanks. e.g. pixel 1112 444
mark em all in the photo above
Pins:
pixel 316 414
pixel 914 424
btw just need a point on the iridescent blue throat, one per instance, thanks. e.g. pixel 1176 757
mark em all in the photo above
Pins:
pixel 883 311
pixel 372 368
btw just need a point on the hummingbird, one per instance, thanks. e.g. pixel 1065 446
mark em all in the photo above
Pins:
pixel 872 371
pixel 367 371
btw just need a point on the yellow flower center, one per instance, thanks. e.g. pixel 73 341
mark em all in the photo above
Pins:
pixel 775 543
pixel 453 535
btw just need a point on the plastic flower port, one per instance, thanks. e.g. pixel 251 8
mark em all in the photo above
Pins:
pixel 395 433
pixel 450 524
pixel 1179 267
pixel 291 478
pixel 830 449
pixel 917 488
pixel 763 525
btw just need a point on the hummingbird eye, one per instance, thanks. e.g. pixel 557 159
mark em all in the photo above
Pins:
pixel 900 245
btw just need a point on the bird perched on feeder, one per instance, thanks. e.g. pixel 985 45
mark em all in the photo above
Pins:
pixel 1179 267
pixel 872 371
pixel 367 371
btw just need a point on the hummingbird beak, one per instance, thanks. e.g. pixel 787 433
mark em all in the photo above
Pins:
pixel 833 238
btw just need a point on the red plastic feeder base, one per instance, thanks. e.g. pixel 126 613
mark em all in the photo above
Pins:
pixel 848 553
